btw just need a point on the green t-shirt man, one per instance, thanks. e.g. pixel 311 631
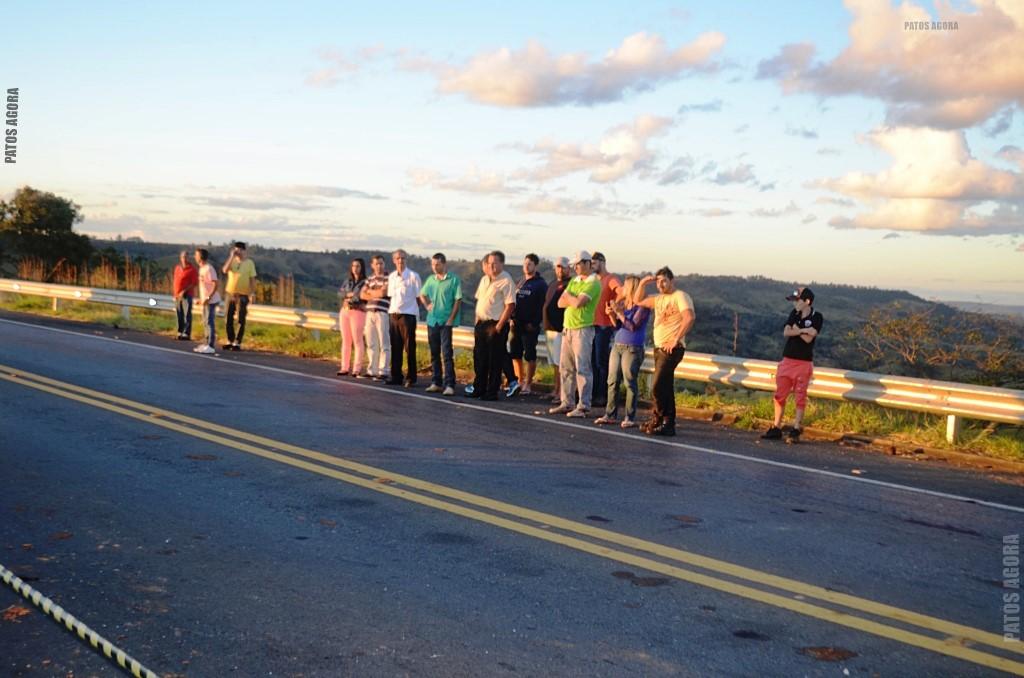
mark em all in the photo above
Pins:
pixel 578 318
pixel 442 293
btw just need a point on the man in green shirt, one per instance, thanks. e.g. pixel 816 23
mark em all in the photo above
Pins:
pixel 441 295
pixel 579 300
pixel 241 273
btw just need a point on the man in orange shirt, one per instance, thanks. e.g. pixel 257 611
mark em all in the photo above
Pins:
pixel 604 329
pixel 186 278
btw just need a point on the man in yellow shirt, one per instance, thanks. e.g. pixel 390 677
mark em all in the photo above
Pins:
pixel 241 273
pixel 673 319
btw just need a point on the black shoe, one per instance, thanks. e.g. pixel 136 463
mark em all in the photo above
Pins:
pixel 182 337
pixel 489 396
pixel 665 428
pixel 228 347
pixel 794 435
pixel 774 433
pixel 393 382
pixel 342 373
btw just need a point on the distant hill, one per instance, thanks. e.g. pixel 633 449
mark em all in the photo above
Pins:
pixel 1015 312
pixel 736 315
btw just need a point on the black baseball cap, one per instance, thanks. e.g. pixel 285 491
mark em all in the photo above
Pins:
pixel 804 293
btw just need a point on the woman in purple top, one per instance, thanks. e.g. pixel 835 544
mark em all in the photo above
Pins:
pixel 627 351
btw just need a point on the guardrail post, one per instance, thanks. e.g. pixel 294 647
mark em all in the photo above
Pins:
pixel 953 426
pixel 56 304
pixel 126 312
pixel 316 335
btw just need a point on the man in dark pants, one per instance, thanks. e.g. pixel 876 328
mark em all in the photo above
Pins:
pixel 241 273
pixel 673 318
pixel 604 329
pixel 495 302
pixel 403 289
pixel 186 280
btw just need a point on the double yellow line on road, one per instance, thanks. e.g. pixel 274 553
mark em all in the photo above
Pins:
pixel 944 637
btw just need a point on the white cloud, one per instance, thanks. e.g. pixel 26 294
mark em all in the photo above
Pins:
pixel 789 209
pixel 622 151
pixel 946 79
pixel 934 185
pixel 533 76
pixel 475 181
pixel 596 206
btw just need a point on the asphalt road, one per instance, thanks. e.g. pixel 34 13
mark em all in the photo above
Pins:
pixel 251 515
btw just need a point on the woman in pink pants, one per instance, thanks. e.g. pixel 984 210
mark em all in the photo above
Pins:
pixel 353 320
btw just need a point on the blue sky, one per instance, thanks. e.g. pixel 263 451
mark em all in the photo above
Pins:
pixel 803 141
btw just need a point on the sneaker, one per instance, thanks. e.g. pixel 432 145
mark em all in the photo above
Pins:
pixel 448 391
pixel 664 429
pixel 794 435
pixel 513 388
pixel 470 390
pixel 578 413
pixel 605 419
pixel 205 349
pixel 434 388
pixel 774 433
pixel 559 409
pixel 236 347
pixel 628 423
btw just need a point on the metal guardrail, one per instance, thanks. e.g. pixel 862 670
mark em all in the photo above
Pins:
pixel 951 399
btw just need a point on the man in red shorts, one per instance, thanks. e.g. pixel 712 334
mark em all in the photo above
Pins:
pixel 794 372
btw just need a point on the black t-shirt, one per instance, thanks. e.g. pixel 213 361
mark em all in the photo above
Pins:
pixel 796 347
pixel 530 302
pixel 554 317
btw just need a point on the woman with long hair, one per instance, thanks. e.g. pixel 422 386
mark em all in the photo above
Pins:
pixel 352 319
pixel 627 351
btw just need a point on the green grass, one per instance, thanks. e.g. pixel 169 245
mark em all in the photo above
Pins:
pixel 750 407
pixel 865 419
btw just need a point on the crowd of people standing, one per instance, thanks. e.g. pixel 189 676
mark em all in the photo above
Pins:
pixel 594 326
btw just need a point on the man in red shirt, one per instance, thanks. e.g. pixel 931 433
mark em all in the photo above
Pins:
pixel 604 329
pixel 186 277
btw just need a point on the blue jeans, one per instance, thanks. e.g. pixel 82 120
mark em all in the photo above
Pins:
pixel 440 340
pixel 624 363
pixel 183 307
pixel 210 324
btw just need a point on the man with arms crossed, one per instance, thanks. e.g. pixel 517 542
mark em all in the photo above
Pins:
pixel 580 302
pixel 794 372
pixel 378 326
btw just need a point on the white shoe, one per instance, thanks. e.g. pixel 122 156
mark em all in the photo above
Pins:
pixel 205 349
pixel 448 391
pixel 434 388
pixel 578 413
